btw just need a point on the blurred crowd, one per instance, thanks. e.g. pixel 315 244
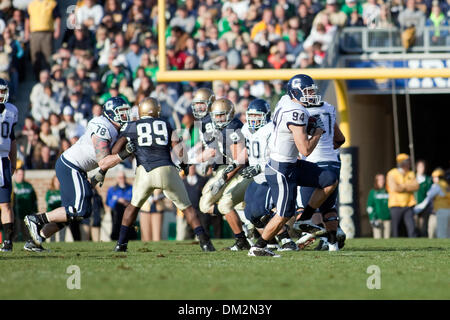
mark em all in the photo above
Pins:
pixel 410 204
pixel 109 48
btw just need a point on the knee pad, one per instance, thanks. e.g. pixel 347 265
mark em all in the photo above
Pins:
pixel 327 178
pixel 225 205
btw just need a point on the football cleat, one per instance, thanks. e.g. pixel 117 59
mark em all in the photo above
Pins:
pixel 207 246
pixel 261 252
pixel 32 247
pixel 307 226
pixel 323 244
pixel 121 247
pixel 288 245
pixel 305 240
pixel 333 246
pixel 32 223
pixel 240 244
pixel 7 246
pixel 340 235
pixel 272 244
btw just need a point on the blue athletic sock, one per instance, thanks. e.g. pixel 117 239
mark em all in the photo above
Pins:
pixel 123 236
pixel 199 230
pixel 239 235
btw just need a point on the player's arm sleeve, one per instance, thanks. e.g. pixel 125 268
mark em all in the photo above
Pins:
pixel 296 118
pixel 101 147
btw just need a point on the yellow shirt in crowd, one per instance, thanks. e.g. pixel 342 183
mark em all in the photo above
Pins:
pixel 401 186
pixel 41 15
pixel 442 202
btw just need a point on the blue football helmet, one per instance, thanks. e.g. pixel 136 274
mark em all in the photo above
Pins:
pixel 4 91
pixel 258 114
pixel 117 110
pixel 302 88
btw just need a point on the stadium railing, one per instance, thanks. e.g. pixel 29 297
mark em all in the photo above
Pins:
pixel 364 40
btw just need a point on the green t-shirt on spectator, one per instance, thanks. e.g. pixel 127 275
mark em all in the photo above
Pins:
pixel 25 201
pixel 53 199
pixel 377 205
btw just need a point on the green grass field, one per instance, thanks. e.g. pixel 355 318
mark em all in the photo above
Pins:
pixel 410 269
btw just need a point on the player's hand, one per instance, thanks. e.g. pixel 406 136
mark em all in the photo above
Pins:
pixel 216 186
pixel 315 125
pixel 228 169
pixel 251 171
pixel 98 178
pixel 130 147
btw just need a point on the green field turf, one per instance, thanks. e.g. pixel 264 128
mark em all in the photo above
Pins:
pixel 410 269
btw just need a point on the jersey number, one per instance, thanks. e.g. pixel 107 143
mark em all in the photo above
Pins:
pixel 147 133
pixel 295 116
pixel 101 130
pixel 253 149
pixel 5 129
pixel 328 116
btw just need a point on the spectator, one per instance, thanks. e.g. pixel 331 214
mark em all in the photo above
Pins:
pixel 370 13
pixel 319 34
pixel 167 97
pixel 184 101
pixel 56 126
pixel 350 6
pixel 58 82
pixel 112 8
pixel 151 217
pixel 425 183
pixel 401 185
pixel 90 227
pixel 355 20
pixel 47 137
pixel 5 62
pixel 44 104
pixel 378 210
pixel 118 197
pixel 267 19
pixel 293 45
pixel 134 55
pixel 277 59
pixel 89 14
pixel 45 161
pixel 303 22
pixel 175 58
pixel 53 201
pixel 183 19
pixel 336 17
pixel 25 202
pixel 412 21
pixel 384 21
pixel 234 33
pixel 80 42
pixel 71 129
pixel 115 74
pixel 438 197
pixel 42 26
pixel 202 54
pixel 80 104
pixel 437 20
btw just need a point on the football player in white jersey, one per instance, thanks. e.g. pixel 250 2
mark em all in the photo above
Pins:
pixel 258 199
pixel 8 153
pixel 72 167
pixel 285 171
pixel 325 156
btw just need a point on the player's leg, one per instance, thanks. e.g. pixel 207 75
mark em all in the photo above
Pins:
pixel 208 199
pixel 175 191
pixel 7 215
pixel 143 186
pixel 283 189
pixel 324 181
pixel 145 221
pixel 232 195
pixel 76 201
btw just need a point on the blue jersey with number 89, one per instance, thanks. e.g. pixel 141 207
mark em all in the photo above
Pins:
pixel 152 138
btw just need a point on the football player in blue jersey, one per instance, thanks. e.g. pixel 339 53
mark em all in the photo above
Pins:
pixel 225 190
pixel 8 153
pixel 154 140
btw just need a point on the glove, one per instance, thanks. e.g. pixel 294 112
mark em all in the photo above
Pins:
pixel 251 171
pixel 216 186
pixel 130 148
pixel 228 169
pixel 99 177
pixel 314 122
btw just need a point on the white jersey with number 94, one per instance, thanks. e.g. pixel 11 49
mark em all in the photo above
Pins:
pixel 282 145
pixel 82 153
